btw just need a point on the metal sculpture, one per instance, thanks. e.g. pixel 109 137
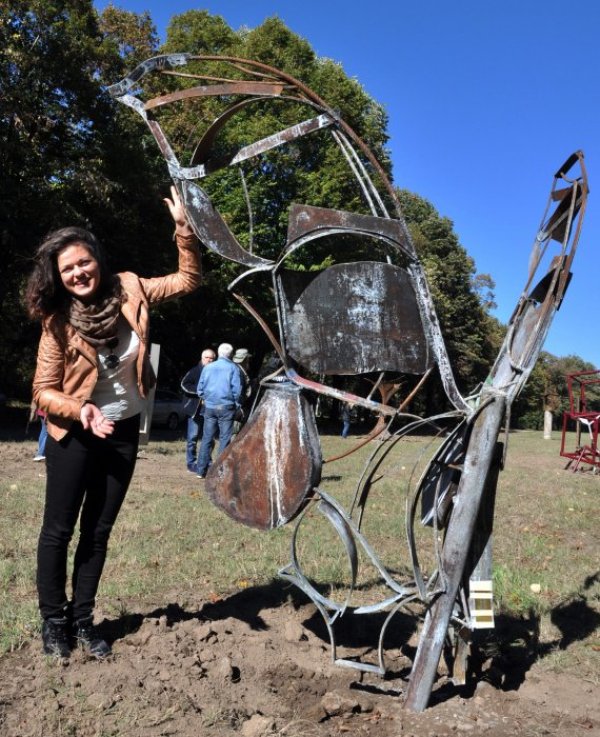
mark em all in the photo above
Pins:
pixel 585 418
pixel 372 315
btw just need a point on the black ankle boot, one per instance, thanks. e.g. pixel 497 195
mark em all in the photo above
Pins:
pixel 88 638
pixel 55 637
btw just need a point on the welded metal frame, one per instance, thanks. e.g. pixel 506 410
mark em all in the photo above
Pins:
pixel 459 481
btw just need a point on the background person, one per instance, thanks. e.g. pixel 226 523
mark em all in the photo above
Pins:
pixel 346 418
pixel 241 358
pixel 93 373
pixel 36 413
pixel 43 436
pixel 220 387
pixel 194 408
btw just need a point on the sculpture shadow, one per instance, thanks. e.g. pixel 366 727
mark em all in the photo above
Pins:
pixel 501 657
pixel 504 656
pixel 245 605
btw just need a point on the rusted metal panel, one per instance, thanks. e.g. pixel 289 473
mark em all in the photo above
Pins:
pixel 211 90
pixel 264 476
pixel 212 230
pixel 306 219
pixel 352 318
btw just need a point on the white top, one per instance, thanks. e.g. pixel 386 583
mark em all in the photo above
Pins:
pixel 116 393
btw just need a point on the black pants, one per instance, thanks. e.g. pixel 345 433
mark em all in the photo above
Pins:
pixel 89 475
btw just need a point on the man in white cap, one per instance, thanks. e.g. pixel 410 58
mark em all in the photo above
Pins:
pixel 241 358
pixel 220 387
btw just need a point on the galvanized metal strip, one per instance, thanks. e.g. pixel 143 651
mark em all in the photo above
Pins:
pixel 265 144
pixel 155 63
pixel 339 394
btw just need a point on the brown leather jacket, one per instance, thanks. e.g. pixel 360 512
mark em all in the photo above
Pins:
pixel 67 366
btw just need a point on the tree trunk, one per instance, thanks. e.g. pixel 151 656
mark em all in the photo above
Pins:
pixel 547 424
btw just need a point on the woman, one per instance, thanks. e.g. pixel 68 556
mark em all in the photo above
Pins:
pixel 92 375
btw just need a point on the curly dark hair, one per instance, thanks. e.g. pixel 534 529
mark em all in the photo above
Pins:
pixel 45 293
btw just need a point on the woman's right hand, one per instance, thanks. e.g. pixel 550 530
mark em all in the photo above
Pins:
pixel 176 209
pixel 92 419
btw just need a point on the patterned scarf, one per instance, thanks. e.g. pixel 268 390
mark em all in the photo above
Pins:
pixel 97 322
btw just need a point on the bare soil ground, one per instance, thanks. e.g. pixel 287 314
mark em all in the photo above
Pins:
pixel 258 662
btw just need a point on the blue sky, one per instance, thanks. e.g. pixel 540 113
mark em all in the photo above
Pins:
pixel 485 101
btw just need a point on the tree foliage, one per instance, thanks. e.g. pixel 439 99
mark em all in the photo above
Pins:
pixel 472 336
pixel 547 390
pixel 71 155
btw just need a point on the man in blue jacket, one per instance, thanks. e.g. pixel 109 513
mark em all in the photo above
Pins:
pixel 220 388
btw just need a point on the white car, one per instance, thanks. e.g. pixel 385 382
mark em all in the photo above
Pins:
pixel 168 409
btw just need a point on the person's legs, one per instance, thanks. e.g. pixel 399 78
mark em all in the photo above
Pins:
pixel 66 479
pixel 225 419
pixel 193 433
pixel 209 431
pixel 41 450
pixel 67 466
pixel 113 466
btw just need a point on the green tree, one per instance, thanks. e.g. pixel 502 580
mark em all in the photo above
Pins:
pixel 68 154
pixel 313 170
pixel 547 389
pixel 472 336
pixel 71 155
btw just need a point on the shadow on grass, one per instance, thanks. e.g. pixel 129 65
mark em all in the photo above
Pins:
pixel 504 656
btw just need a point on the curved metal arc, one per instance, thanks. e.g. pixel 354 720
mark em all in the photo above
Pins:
pixel 384 449
pixel 233 87
pixel 267 330
pixel 391 582
pixel 349 151
pixel 434 333
pixel 277 73
pixel 364 180
pixel 377 430
pixel 306 585
pixel 324 231
pixel 152 64
pixel 341 526
pixel 384 626
pixel 205 143
pixel 182 59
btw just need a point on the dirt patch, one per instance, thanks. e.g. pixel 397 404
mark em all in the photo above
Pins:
pixel 257 663
pixel 252 666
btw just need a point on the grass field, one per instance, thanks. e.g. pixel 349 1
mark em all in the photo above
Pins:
pixel 170 544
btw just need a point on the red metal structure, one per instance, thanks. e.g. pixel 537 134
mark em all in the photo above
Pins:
pixel 584 418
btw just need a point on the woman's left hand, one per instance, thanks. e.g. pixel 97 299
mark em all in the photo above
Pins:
pixel 176 208
pixel 92 419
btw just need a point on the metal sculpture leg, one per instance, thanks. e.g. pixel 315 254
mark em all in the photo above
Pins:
pixel 478 460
